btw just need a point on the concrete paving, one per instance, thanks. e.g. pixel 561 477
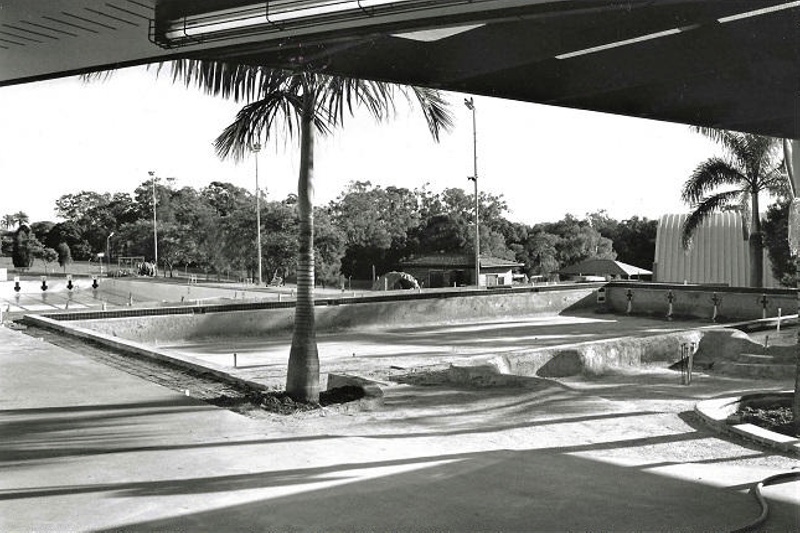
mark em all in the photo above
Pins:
pixel 87 447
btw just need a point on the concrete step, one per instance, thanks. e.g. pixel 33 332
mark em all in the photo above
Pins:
pixel 754 370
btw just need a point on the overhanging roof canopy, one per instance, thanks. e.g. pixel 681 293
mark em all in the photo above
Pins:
pixel 731 64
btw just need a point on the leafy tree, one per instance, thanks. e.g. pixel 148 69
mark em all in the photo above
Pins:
pixel 135 238
pixel 305 103
pixel 238 246
pixel 46 255
pixel 64 255
pixel 25 244
pixel 376 223
pixel 442 233
pixel 42 229
pixel 776 240
pixel 751 166
pixel 634 239
pixel 142 204
pixel 79 207
pixel 541 253
pixel 178 239
pixel 92 217
pixel 577 241
pixel 176 245
pixel 225 198
pixel 6 244
pixel 448 223
pixel 329 247
pixel 279 226
pixel 67 232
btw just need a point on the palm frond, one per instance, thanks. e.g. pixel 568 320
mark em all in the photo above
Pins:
pixel 276 97
pixel 100 75
pixel 435 109
pixel 732 141
pixel 777 181
pixel 340 96
pixel 219 78
pixel 705 209
pixel 257 121
pixel 761 153
pixel 709 175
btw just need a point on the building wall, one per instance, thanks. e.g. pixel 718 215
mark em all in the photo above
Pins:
pixel 504 277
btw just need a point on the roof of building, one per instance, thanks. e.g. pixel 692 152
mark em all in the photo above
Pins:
pixel 459 261
pixel 605 267
pixel 719 252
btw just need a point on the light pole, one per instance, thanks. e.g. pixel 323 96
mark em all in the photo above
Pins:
pixel 155 222
pixel 256 149
pixel 470 103
pixel 108 250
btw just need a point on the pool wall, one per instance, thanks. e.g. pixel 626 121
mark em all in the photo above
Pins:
pixel 697 301
pixel 191 323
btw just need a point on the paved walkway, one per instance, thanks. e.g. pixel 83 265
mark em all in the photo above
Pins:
pixel 86 447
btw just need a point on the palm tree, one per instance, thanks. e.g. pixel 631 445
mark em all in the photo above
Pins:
pixel 20 218
pixel 8 221
pixel 303 104
pixel 751 166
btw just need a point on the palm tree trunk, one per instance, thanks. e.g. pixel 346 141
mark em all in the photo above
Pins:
pixel 302 378
pixel 756 244
pixel 796 396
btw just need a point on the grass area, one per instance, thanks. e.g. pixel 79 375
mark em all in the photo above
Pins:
pixel 76 268
pixel 92 268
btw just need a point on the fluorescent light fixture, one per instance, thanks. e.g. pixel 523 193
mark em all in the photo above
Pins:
pixel 676 31
pixel 627 42
pixel 759 12
pixel 276 13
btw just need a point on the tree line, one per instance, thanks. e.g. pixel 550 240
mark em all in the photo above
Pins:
pixel 366 229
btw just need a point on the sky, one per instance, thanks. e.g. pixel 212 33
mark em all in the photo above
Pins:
pixel 64 136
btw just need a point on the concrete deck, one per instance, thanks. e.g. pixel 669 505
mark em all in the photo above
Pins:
pixel 87 447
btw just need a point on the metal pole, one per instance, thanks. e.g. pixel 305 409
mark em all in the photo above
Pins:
pixel 470 103
pixel 256 149
pixel 108 250
pixel 155 222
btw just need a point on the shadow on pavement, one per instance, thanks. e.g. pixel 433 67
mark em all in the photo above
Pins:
pixel 504 490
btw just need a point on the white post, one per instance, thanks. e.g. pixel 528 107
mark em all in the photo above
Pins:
pixel 155 221
pixel 470 103
pixel 256 149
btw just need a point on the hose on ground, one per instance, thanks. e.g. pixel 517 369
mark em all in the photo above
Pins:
pixel 762 502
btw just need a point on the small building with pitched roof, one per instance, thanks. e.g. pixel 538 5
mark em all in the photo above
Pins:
pixel 449 270
pixel 606 268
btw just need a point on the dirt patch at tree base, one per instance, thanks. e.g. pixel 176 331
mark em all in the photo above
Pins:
pixel 774 418
pixel 279 402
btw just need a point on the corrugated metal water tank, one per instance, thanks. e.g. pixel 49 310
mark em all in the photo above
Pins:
pixel 719 253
